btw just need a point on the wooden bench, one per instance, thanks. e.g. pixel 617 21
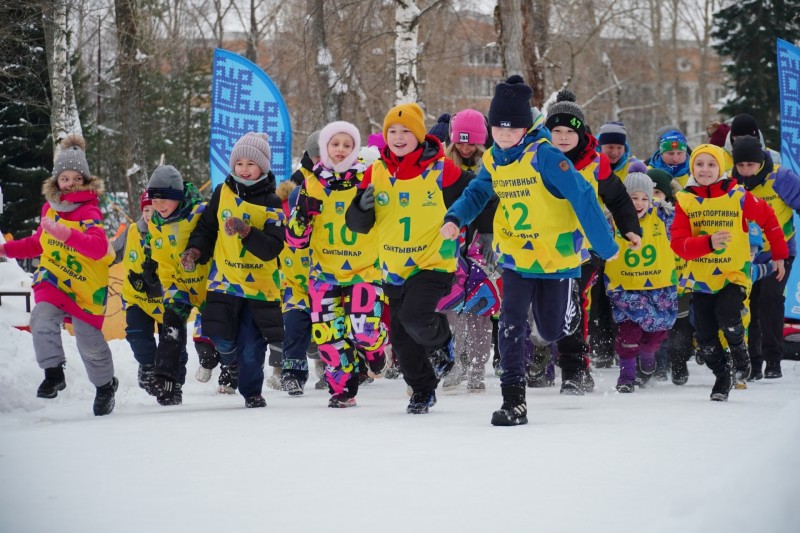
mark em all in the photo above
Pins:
pixel 26 294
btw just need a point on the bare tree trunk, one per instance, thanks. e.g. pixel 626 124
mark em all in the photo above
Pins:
pixel 535 29
pixel 676 80
pixel 405 49
pixel 252 35
pixel 329 80
pixel 64 117
pixel 508 23
pixel 130 86
pixel 660 89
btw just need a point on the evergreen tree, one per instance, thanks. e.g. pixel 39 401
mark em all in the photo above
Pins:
pixel 26 146
pixel 746 33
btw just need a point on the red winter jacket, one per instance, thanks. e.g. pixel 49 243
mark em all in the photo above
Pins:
pixel 92 243
pixel 690 247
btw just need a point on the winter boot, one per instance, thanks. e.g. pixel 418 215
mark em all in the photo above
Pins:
pixel 341 401
pixel 576 377
pixel 209 358
pixel 420 402
pixel 627 375
pixel 680 372
pixel 104 398
pixel 443 359
pixel 645 368
pixel 53 382
pixel 228 379
pixel 475 377
pixel 741 365
pixel 602 358
pixel 456 375
pixel 274 381
pixel 755 370
pixel 255 401
pixel 773 370
pixel 720 364
pixel 514 411
pixel 536 375
pixel 145 375
pixel 319 369
pixel 291 383
pixel 167 392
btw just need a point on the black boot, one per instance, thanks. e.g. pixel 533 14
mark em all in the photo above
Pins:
pixel 104 398
pixel 720 364
pixel 146 374
pixel 228 379
pixel 514 411
pixel 741 365
pixel 680 372
pixel 53 382
pixel 756 373
pixel 576 377
pixel 773 370
pixel 167 391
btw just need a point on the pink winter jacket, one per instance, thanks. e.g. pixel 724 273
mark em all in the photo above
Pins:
pixel 92 243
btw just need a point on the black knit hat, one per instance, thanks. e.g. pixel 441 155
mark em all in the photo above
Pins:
pixel 565 112
pixel 441 130
pixel 747 149
pixel 744 124
pixel 511 105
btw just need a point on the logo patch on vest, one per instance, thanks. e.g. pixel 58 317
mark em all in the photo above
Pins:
pixel 226 214
pixel 404 197
pixel 339 208
pixel 133 256
pixel 382 198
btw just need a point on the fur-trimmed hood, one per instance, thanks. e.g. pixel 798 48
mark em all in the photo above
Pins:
pixel 85 192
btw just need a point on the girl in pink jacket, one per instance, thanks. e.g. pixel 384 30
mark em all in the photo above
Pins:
pixel 72 278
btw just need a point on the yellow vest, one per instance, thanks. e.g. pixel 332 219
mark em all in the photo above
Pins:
pixel 167 243
pixel 712 272
pixel 784 213
pixel 295 264
pixel 339 255
pixel 408 215
pixel 235 270
pixel 134 257
pixel 83 279
pixel 650 267
pixel 535 232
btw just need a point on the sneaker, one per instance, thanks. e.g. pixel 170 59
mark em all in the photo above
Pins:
pixel 228 379
pixel 53 382
pixel 291 384
pixel 255 401
pixel 340 401
pixel 772 370
pixel 420 402
pixel 443 359
pixel 514 411
pixel 104 398
pixel 145 376
pixel 167 392
pixel 203 374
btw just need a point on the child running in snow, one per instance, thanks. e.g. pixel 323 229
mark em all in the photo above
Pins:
pixel 141 293
pixel 241 229
pixel 344 288
pixel 642 284
pixel 710 231
pixel 403 195
pixel 539 244
pixel 72 278
pixel 178 207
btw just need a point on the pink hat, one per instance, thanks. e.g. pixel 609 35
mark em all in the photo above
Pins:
pixel 376 140
pixel 327 133
pixel 468 126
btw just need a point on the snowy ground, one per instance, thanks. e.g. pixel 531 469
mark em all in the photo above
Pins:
pixel 663 459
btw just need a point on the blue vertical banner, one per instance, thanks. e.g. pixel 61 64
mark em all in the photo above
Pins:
pixel 789 82
pixel 244 99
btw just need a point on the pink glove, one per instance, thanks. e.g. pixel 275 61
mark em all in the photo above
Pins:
pixel 188 259
pixel 58 231
pixel 235 225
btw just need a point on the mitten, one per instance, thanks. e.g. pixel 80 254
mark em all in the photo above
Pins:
pixel 235 225
pixel 485 240
pixel 188 258
pixel 137 281
pixel 58 231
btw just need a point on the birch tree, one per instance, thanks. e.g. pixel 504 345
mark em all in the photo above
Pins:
pixel 405 49
pixel 64 117
pixel 330 81
pixel 508 22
